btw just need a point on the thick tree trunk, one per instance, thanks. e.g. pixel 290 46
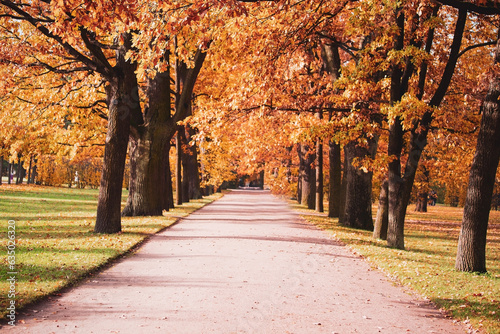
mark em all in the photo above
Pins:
pixel 335 191
pixel 471 254
pixel 156 129
pixel 358 196
pixel 382 219
pixel 123 101
pixel 308 177
pixel 149 165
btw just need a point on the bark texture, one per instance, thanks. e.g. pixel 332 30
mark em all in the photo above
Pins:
pixel 382 219
pixel 471 254
pixel 358 195
pixel 335 178
pixel 319 174
pixel 308 177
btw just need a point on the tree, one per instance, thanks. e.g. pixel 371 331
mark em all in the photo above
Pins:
pixel 400 184
pixel 471 254
pixel 150 142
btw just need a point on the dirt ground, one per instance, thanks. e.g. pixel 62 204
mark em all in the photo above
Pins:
pixel 243 264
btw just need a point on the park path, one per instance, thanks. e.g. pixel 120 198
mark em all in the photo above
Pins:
pixel 243 264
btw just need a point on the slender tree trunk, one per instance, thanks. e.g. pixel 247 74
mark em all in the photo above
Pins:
pixel 262 180
pixel 34 171
pixel 301 173
pixel 170 188
pixel 122 95
pixel 1 169
pixel 471 254
pixel 186 153
pixel 358 196
pixel 28 178
pixel 9 173
pixel 335 185
pixel 319 172
pixel 382 219
pixel 19 170
pixel 178 167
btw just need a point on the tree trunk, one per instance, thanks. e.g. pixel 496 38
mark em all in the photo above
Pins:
pixel 423 193
pixel 471 254
pixel 9 173
pixel 178 167
pixel 308 177
pixel 149 146
pixel 358 196
pixel 422 199
pixel 33 171
pixel 19 171
pixel 123 100
pixel 192 173
pixel 301 172
pixel 28 178
pixel 185 165
pixel 335 185
pixel 261 179
pixel 382 219
pixel 319 173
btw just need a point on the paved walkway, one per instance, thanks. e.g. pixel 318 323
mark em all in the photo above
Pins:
pixel 244 264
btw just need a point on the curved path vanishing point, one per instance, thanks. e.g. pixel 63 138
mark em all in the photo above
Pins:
pixel 243 264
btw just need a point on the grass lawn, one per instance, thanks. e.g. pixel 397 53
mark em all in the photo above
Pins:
pixel 55 243
pixel 427 264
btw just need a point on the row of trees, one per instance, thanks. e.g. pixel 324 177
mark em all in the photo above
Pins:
pixel 257 85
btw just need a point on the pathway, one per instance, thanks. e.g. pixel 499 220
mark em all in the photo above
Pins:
pixel 244 264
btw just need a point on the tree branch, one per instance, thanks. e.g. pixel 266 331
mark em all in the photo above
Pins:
pixel 46 32
pixel 490 8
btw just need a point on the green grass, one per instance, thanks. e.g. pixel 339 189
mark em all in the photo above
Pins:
pixel 427 264
pixel 55 243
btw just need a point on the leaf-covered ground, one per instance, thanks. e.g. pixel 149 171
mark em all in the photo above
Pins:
pixel 427 264
pixel 55 243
